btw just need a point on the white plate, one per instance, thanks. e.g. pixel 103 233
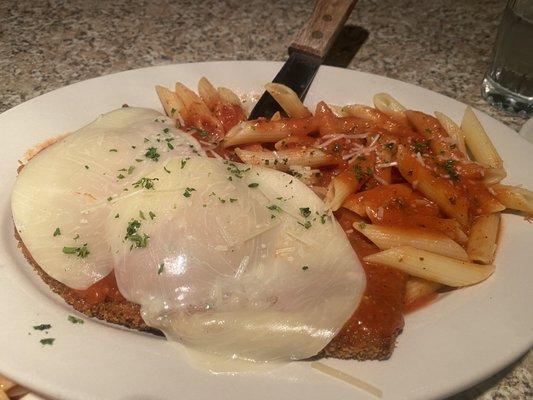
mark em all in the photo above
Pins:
pixel 466 336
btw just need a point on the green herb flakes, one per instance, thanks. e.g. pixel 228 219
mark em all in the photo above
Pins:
pixel 305 212
pixel 81 252
pixel 152 154
pixel 75 320
pixel 57 232
pixel 42 327
pixel 146 183
pixel 188 191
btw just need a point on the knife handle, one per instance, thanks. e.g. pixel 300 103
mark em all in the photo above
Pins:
pixel 317 36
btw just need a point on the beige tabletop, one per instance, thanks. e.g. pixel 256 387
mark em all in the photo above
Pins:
pixel 442 45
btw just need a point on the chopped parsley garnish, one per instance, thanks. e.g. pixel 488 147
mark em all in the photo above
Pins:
pixel 120 176
pixel 307 224
pixel 151 214
pixel 203 133
pixel 305 212
pixel 221 200
pixel 160 269
pixel 235 170
pixel 42 327
pixel 323 218
pixel 427 131
pixel 166 170
pixel 172 111
pixel 57 232
pixel 139 160
pixel 184 162
pixel 141 215
pixel 86 167
pixel 151 153
pixel 109 198
pixel 274 207
pixel 113 150
pixel 359 173
pixel 253 185
pixel 47 341
pixel 305 267
pixel 187 192
pixel 420 146
pixel 362 225
pixel 130 169
pixel 75 320
pixel 77 236
pixel 117 215
pixel 81 252
pixel 147 183
pixel 448 166
pixel 166 130
pixel 231 200
pixel 170 146
pixel 134 236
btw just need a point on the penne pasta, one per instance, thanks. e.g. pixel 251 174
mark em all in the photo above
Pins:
pixel 196 113
pixel 514 197
pixel 483 236
pixel 284 159
pixel 340 187
pixel 288 100
pixel 478 141
pixel 386 237
pixel 229 96
pixel 388 105
pixel 433 267
pixel 452 202
pixel 494 175
pixel 264 131
pixel 171 103
pixel 6 384
pixel 208 93
pixel 453 130
pixel 3 395
pixel 417 288
pixel 276 116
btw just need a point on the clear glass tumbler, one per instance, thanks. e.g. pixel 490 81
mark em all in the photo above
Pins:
pixel 509 82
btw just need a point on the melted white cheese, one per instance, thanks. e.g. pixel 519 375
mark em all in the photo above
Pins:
pixel 241 262
pixel 67 186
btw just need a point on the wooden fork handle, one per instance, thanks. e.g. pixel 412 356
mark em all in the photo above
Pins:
pixel 317 36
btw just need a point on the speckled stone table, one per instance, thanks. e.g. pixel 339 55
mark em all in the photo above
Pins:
pixel 442 45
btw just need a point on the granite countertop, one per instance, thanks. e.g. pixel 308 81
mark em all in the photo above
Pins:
pixel 442 45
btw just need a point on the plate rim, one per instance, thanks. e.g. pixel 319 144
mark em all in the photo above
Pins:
pixel 509 359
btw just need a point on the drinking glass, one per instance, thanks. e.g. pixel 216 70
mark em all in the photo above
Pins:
pixel 508 83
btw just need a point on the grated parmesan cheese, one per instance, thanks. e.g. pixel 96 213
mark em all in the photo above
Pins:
pixel 350 379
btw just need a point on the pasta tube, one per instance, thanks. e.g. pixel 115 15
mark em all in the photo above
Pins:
pixel 453 130
pixel 483 235
pixel 288 100
pixel 170 101
pixel 387 104
pixel 284 159
pixel 478 141
pixel 386 237
pixel 433 267
pixel 417 288
pixel 515 198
